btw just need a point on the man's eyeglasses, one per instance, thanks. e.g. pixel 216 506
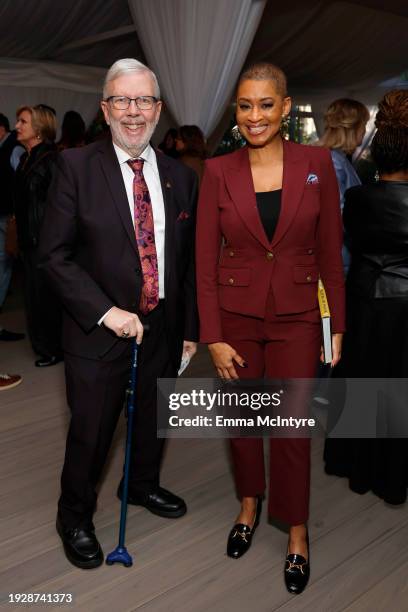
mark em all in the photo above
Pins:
pixel 123 102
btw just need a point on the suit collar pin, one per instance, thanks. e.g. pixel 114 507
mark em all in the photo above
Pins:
pixel 168 185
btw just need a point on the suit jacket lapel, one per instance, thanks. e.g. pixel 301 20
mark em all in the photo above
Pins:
pixel 167 186
pixel 114 179
pixel 238 179
pixel 295 171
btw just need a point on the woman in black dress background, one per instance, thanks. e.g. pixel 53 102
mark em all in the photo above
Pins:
pixel 36 130
pixel 376 343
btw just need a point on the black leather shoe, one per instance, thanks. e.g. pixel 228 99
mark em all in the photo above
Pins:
pixel 159 501
pixel 297 571
pixel 44 362
pixel 240 536
pixel 81 547
pixel 8 336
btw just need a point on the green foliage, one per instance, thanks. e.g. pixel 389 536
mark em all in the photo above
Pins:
pixel 231 141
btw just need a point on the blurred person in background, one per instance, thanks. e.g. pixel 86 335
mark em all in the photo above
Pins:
pixel 98 129
pixel 72 131
pixel 10 153
pixel 345 127
pixel 36 130
pixel 376 343
pixel 168 144
pixel 190 145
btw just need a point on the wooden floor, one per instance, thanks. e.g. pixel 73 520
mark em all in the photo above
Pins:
pixel 359 545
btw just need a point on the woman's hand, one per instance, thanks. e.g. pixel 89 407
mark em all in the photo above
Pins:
pixel 223 356
pixel 337 341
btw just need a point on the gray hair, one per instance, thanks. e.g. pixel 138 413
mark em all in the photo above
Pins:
pixel 125 66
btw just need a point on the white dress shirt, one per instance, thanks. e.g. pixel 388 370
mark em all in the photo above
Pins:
pixel 152 178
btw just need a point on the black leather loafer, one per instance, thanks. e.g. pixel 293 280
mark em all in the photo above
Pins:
pixel 297 571
pixel 240 536
pixel 45 362
pixel 81 547
pixel 159 501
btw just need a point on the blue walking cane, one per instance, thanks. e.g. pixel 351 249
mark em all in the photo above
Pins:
pixel 120 554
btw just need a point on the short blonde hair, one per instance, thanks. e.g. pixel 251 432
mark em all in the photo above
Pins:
pixel 43 120
pixel 265 71
pixel 343 120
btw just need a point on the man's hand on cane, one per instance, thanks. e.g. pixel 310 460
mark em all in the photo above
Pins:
pixel 124 324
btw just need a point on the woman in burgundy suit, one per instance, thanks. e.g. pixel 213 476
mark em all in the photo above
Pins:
pixel 272 209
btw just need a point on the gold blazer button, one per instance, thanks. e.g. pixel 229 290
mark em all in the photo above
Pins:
pixel 308 278
pixel 231 253
pixel 269 255
pixel 231 281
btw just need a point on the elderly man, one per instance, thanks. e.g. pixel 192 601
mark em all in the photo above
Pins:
pixel 117 245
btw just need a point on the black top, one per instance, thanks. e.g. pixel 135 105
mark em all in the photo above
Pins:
pixel 32 180
pixel 269 205
pixel 376 220
pixel 7 174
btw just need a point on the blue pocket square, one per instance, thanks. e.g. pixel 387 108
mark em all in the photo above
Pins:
pixel 312 179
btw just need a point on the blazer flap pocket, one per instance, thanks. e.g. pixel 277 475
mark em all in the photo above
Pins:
pixel 305 257
pixel 305 274
pixel 234 277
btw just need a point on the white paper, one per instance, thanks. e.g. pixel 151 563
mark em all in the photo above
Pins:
pixel 185 360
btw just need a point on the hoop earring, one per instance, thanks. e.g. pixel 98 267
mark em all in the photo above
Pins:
pixel 236 134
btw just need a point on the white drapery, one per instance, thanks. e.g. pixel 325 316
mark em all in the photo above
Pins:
pixel 62 86
pixel 197 50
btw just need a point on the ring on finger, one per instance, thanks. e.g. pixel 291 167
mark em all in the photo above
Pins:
pixel 125 334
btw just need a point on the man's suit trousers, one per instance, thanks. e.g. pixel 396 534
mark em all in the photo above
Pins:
pixel 96 395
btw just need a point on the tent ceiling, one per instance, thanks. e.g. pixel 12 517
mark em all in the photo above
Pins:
pixel 397 7
pixel 321 44
pixel 41 29
pixel 328 48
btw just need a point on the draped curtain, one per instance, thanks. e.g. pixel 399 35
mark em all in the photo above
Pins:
pixel 197 50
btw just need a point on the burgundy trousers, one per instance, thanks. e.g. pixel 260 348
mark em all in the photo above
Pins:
pixel 278 346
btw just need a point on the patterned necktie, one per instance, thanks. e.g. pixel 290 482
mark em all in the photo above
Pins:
pixel 144 229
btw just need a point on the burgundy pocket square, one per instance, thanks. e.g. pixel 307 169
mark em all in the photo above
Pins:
pixel 183 215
